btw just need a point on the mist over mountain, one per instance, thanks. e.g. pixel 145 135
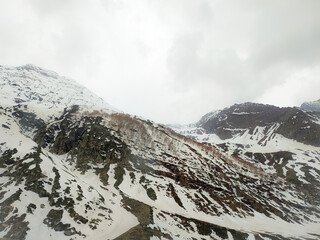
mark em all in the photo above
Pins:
pixel 73 167
pixel 311 106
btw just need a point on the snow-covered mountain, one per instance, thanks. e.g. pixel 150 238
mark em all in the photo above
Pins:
pixel 88 172
pixel 257 122
pixel 34 86
pixel 311 106
pixel 281 141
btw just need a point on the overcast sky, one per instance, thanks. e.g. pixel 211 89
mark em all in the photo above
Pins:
pixel 171 61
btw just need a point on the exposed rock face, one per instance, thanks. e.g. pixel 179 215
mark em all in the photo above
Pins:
pixel 284 141
pixel 292 123
pixel 126 153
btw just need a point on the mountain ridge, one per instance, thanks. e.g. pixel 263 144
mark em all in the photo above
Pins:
pixel 250 115
pixel 44 88
pixel 86 172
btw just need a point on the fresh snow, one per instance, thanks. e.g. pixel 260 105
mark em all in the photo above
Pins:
pixel 45 89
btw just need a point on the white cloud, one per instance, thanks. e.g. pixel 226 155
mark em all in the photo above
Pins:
pixel 171 61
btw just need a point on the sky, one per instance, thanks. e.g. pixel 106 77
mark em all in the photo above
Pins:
pixel 171 61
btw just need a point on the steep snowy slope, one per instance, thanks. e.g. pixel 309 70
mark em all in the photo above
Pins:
pixel 43 88
pixel 282 141
pixel 32 180
pixel 90 173
pixel 90 170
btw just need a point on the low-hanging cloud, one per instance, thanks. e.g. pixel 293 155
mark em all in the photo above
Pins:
pixel 171 61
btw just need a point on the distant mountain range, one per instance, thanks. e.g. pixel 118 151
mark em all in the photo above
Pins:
pixel 311 106
pixel 73 167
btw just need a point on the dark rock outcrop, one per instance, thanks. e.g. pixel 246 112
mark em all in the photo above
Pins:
pixel 293 123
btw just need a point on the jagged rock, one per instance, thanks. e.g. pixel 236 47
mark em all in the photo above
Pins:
pixel 53 218
pixel 70 231
pixel 293 123
pixel 31 207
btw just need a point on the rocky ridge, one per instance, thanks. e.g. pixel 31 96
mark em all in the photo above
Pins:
pixel 34 86
pixel 282 141
pixel 92 173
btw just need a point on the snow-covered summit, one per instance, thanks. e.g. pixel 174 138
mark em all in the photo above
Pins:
pixel 311 106
pixel 35 86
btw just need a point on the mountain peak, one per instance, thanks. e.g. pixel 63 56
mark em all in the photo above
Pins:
pixel 30 84
pixel 313 106
pixel 45 72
